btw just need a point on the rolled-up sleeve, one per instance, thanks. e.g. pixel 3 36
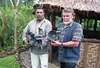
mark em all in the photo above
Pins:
pixel 78 33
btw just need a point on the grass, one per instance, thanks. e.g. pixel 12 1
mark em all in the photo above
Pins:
pixel 9 62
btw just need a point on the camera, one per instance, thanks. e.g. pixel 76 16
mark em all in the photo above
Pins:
pixel 53 35
pixel 35 40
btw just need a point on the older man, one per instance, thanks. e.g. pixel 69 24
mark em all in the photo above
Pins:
pixel 70 37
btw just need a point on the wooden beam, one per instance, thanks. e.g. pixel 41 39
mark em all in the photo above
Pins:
pixel 85 55
pixel 98 59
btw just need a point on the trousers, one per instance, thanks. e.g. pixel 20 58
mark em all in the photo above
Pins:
pixel 39 61
pixel 67 65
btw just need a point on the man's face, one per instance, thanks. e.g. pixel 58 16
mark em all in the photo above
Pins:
pixel 67 17
pixel 39 14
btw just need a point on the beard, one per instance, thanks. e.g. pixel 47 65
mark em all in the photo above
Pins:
pixel 39 18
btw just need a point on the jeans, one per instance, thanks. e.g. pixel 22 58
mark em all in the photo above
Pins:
pixel 39 61
pixel 67 65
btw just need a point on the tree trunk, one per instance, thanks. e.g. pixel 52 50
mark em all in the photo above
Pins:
pixel 15 29
pixel 15 6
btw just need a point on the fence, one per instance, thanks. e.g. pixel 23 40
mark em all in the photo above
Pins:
pixel 90 54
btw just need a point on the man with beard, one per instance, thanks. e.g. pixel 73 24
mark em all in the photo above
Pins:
pixel 39 54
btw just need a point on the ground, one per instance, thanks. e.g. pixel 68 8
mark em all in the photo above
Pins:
pixel 23 57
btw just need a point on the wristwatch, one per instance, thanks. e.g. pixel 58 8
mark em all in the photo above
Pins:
pixel 61 44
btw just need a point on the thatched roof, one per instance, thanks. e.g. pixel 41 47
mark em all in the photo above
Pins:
pixel 83 8
pixel 84 5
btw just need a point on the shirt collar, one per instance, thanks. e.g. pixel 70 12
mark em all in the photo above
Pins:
pixel 71 23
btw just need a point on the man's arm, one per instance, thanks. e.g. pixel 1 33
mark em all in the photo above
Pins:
pixel 77 37
pixel 66 44
pixel 71 44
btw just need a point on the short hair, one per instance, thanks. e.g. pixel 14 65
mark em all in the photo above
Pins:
pixel 69 10
pixel 39 7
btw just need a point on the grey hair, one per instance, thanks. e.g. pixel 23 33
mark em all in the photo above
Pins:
pixel 69 10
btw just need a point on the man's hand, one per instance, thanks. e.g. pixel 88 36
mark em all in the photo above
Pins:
pixel 55 43
pixel 34 47
pixel 26 42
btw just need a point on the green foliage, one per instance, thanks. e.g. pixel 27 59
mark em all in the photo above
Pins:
pixel 58 20
pixel 24 16
pixel 9 62
pixel 3 26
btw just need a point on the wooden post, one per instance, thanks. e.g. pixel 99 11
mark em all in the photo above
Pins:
pixel 50 52
pixel 53 20
pixel 95 26
pixel 98 60
pixel 85 55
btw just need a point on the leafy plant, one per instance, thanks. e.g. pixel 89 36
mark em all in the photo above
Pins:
pixel 24 16
pixel 3 26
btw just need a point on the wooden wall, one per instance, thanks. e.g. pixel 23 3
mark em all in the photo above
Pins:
pixel 90 54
